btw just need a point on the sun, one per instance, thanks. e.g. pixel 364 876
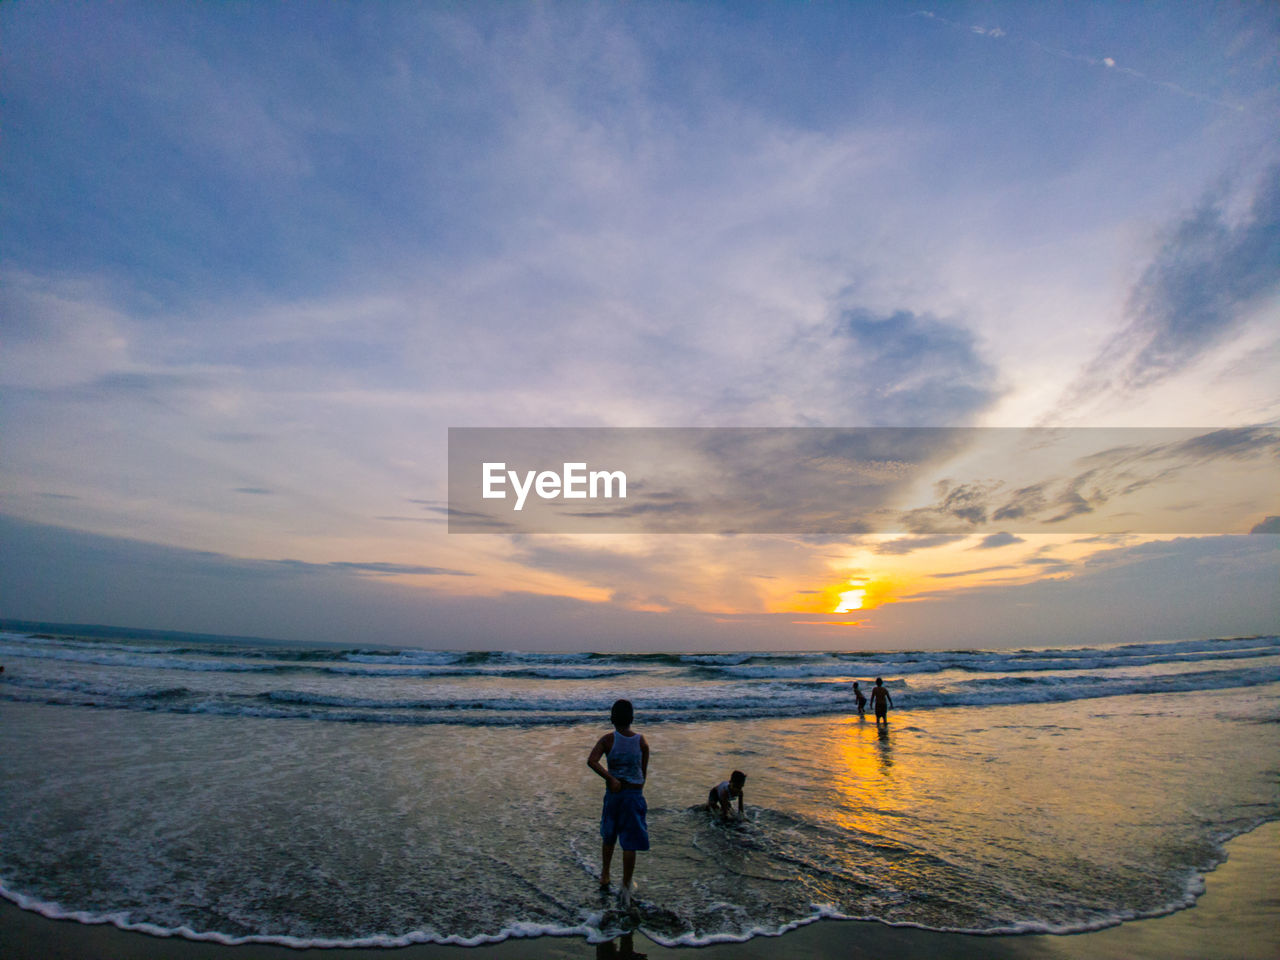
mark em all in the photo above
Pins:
pixel 856 593
pixel 852 599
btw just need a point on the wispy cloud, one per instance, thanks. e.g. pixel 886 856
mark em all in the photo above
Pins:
pixel 908 369
pixel 1103 61
pixel 1198 289
pixel 950 574
pixel 994 540
pixel 411 569
pixel 905 545
pixel 1222 477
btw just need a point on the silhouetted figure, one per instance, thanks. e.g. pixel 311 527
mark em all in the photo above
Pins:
pixel 881 701
pixel 622 818
pixel 721 796
pixel 862 700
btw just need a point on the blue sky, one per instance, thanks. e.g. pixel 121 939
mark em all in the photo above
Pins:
pixel 256 259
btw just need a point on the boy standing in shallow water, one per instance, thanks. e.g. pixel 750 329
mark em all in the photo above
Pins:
pixel 622 818
pixel 879 696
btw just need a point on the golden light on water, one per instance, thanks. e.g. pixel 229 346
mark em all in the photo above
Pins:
pixel 867 798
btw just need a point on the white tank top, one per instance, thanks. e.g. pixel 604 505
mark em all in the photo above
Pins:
pixel 624 758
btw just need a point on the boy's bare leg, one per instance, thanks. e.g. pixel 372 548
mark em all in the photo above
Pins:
pixel 628 867
pixel 606 858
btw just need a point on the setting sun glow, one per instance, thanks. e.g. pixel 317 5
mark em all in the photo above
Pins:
pixel 852 599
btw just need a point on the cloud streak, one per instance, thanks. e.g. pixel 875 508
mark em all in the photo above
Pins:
pixel 1209 271
pixel 1105 62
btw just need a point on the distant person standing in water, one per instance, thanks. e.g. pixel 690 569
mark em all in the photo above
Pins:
pixel 622 818
pixel 881 701
pixel 862 700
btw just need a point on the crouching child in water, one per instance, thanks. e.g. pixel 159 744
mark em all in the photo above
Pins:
pixel 721 796
pixel 622 818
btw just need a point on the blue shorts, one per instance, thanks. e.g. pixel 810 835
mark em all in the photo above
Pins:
pixel 622 820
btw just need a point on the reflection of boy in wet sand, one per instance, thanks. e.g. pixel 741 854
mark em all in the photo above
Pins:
pixel 881 701
pixel 621 949
pixel 622 819
pixel 721 796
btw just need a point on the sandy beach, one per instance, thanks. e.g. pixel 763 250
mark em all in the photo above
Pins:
pixel 1235 919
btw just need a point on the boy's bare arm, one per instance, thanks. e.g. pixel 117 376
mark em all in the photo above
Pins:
pixel 644 758
pixel 593 761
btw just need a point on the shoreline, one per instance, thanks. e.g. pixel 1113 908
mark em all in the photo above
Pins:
pixel 1237 917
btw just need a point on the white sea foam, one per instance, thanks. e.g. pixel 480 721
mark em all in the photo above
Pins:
pixel 596 929
pixel 121 920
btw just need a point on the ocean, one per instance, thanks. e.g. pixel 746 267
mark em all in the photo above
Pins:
pixel 245 791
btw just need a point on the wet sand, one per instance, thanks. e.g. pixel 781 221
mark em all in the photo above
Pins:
pixel 1237 918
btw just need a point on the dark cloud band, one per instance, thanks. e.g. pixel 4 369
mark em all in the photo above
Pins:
pixel 927 481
